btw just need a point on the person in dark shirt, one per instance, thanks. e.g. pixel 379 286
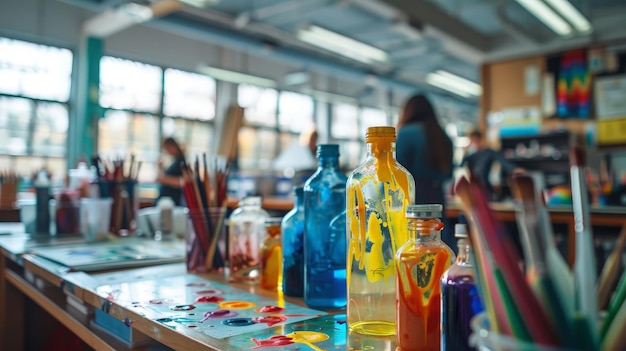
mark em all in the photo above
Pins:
pixel 480 159
pixel 424 149
pixel 170 178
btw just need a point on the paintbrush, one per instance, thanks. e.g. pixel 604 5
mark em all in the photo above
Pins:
pixel 506 258
pixel 557 267
pixel 610 271
pixel 493 300
pixel 535 252
pixel 585 265
pixel 614 324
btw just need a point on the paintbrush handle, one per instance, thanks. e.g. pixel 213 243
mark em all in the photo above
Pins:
pixel 610 270
pixel 585 265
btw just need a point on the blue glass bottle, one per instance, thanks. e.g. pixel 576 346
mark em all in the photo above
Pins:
pixel 293 246
pixel 324 199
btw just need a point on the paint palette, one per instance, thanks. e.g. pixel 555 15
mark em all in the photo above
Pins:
pixel 118 253
pixel 217 310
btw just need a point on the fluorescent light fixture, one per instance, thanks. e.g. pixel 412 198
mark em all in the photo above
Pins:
pixel 567 10
pixel 341 45
pixel 200 3
pixel 113 21
pixel 236 77
pixel 453 83
pixel 296 78
pixel 545 14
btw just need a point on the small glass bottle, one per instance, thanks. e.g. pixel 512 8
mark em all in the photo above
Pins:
pixel 324 199
pixel 292 237
pixel 378 191
pixel 271 255
pixel 421 262
pixel 460 300
pixel 245 230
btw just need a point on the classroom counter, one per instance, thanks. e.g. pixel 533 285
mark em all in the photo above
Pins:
pixel 158 307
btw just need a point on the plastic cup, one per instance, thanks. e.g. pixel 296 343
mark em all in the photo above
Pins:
pixel 95 218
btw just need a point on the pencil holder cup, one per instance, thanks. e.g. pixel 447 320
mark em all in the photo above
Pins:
pixel 8 194
pixel 205 240
pixel 125 195
pixel 484 339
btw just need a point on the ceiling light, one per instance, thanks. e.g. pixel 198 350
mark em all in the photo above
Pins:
pixel 236 77
pixel 115 20
pixel 453 83
pixel 567 10
pixel 544 13
pixel 341 45
pixel 296 78
pixel 200 3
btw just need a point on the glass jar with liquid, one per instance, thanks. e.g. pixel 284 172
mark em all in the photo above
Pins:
pixel 245 232
pixel 271 255
pixel 420 263
pixel 378 191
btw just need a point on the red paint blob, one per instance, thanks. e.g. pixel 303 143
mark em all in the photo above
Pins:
pixel 209 299
pixel 275 340
pixel 270 309
pixel 269 320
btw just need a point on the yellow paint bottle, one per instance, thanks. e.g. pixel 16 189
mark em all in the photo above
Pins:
pixel 378 191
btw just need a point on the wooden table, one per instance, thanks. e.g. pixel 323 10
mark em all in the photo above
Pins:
pixel 28 279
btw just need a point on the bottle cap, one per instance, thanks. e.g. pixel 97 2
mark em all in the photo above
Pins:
pixel 424 211
pixel 251 201
pixel 460 230
pixel 327 149
pixel 380 132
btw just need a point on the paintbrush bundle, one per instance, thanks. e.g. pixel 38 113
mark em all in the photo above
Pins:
pixel 204 190
pixel 117 179
pixel 542 303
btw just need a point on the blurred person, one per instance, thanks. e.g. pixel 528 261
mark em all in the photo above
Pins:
pixel 170 177
pixel 424 148
pixel 479 159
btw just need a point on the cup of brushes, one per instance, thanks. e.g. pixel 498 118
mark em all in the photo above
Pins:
pixel 204 191
pixel 546 305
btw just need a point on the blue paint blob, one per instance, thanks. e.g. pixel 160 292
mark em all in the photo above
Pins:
pixel 238 322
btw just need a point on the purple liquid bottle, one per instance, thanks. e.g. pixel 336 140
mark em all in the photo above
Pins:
pixel 460 300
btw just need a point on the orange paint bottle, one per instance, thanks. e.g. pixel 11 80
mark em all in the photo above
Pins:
pixel 420 263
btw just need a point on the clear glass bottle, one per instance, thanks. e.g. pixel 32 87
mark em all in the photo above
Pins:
pixel 324 199
pixel 271 255
pixel 460 300
pixel 245 230
pixel 378 191
pixel 292 237
pixel 421 262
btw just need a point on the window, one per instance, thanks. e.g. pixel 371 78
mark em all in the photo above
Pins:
pixel 35 85
pixel 259 105
pixel 295 112
pixel 371 117
pixel 130 85
pixel 189 95
pixel 344 121
pixel 135 121
pixel 258 140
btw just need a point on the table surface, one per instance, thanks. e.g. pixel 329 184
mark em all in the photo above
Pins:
pixel 146 301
